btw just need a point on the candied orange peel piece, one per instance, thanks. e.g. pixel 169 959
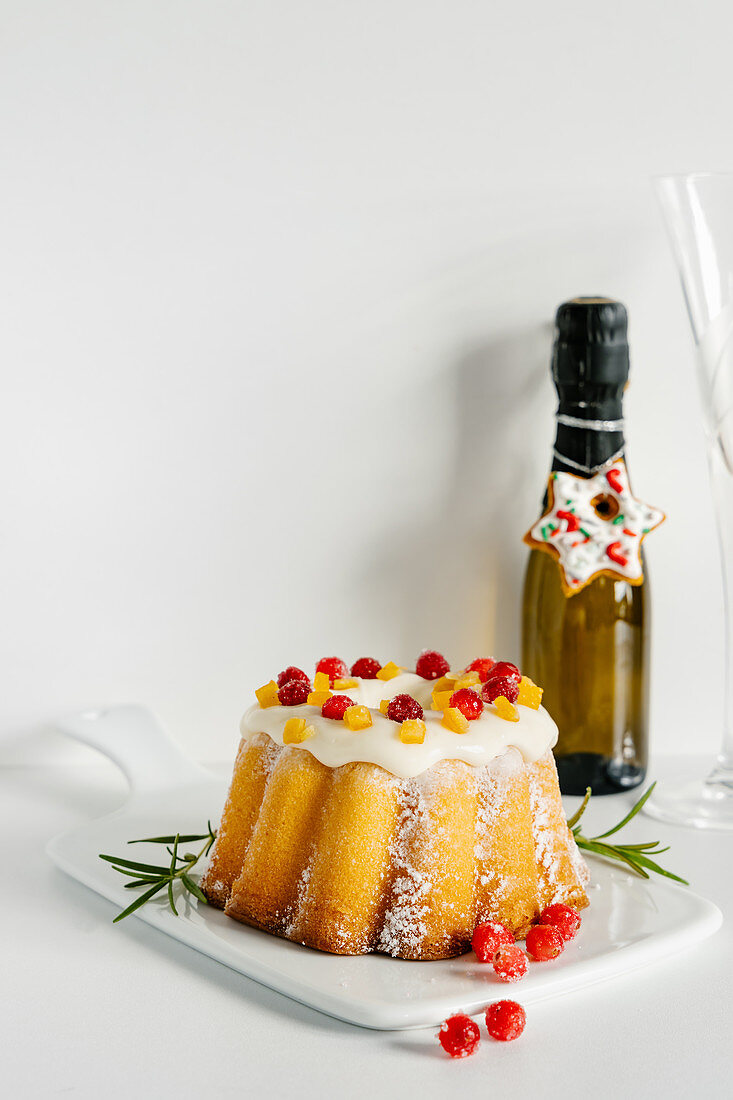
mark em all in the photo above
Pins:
pixel 389 671
pixel 505 709
pixel 318 698
pixel 341 685
pixel 384 704
pixel 444 684
pixel 321 682
pixel 297 730
pixel 469 680
pixel 530 695
pixel 267 695
pixel 412 731
pixel 441 699
pixel 454 720
pixel 357 718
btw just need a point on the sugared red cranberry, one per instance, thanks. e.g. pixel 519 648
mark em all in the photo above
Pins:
pixel 482 665
pixel 292 673
pixel 488 938
pixel 468 702
pixel 505 1020
pixel 293 693
pixel 459 1036
pixel 510 963
pixel 563 917
pixel 334 668
pixel 403 707
pixel 545 942
pixel 506 668
pixel 500 685
pixel 431 665
pixel 366 668
pixel 336 706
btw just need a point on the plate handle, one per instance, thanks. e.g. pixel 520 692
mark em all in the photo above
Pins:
pixel 134 738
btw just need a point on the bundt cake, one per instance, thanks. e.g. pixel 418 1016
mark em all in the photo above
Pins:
pixel 396 817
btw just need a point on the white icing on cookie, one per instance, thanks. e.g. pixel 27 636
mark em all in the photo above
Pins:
pixel 588 542
pixel 335 744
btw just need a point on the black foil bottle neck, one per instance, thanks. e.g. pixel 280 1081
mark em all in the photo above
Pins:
pixel 586 451
pixel 590 369
pixel 588 448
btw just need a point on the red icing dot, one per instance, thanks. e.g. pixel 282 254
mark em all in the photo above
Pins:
pixel 459 1036
pixel 505 1020
pixel 628 533
pixel 468 702
pixel 293 693
pixel 292 672
pixel 366 668
pixel 403 707
pixel 334 667
pixel 563 917
pixel 483 666
pixel 488 938
pixel 614 553
pixel 431 665
pixel 336 706
pixel 572 521
pixel 510 963
pixel 500 685
pixel 545 942
pixel 613 477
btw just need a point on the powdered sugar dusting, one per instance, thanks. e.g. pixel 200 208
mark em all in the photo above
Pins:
pixel 543 832
pixel 404 930
pixel 578 863
pixel 495 783
pixel 301 890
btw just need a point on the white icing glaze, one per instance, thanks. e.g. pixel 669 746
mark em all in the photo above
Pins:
pixel 591 543
pixel 335 744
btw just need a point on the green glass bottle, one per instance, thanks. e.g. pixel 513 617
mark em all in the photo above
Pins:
pixel 590 650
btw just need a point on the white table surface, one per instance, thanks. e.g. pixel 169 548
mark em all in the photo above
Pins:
pixel 92 1009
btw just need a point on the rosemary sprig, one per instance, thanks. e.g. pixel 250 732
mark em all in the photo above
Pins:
pixel 158 877
pixel 637 857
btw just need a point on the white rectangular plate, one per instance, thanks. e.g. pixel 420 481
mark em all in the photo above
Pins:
pixel 631 922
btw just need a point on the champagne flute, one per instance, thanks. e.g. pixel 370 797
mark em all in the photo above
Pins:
pixel 698 213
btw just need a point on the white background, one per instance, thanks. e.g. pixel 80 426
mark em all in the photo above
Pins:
pixel 276 283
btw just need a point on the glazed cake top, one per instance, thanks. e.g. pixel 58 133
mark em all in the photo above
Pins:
pixel 528 728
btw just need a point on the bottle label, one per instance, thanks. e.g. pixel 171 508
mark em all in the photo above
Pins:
pixel 594 525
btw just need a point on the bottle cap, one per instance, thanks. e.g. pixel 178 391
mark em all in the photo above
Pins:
pixel 591 345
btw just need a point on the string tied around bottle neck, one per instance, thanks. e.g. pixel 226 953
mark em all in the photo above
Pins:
pixel 589 425
pixel 590 470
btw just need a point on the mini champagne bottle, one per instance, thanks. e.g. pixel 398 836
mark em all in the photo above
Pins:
pixel 585 612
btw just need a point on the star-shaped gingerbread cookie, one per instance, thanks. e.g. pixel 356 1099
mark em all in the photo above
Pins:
pixel 594 525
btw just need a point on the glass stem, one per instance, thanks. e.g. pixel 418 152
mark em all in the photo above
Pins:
pixel 721 480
